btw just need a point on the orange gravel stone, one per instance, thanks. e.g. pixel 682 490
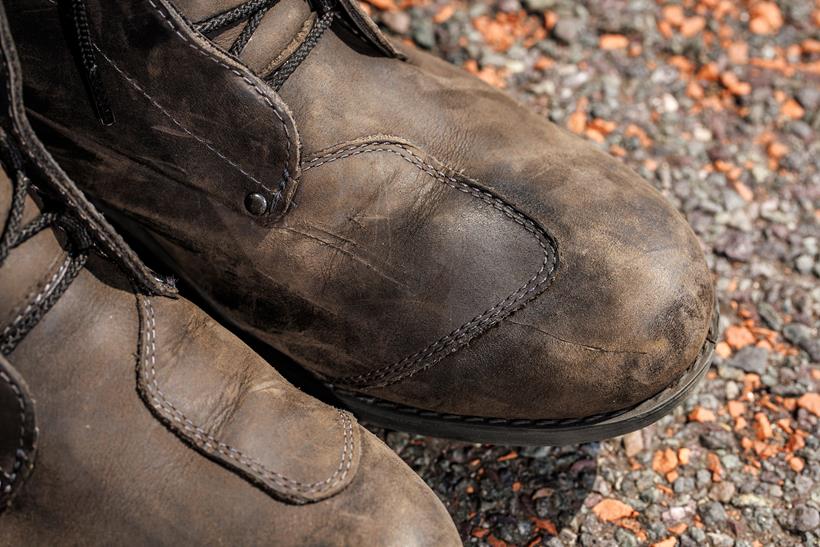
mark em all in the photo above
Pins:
pixel 763 428
pixel 384 5
pixel 735 408
pixel 673 14
pixel 777 150
pixel 693 26
pixel 731 82
pixel 613 41
pixel 738 53
pixel 738 337
pixel 792 109
pixel 679 528
pixel 664 461
pixel 713 465
pixel 444 13
pixel 796 464
pixel 765 18
pixel 480 532
pixel 811 402
pixel 701 415
pixel 546 525
pixel 723 349
pixel 610 510
pixel 508 456
pixel 742 190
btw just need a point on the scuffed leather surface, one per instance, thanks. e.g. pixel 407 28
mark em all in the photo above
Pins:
pixel 13 119
pixel 208 387
pixel 106 362
pixel 239 411
pixel 18 433
pixel 377 262
pixel 188 138
pixel 110 472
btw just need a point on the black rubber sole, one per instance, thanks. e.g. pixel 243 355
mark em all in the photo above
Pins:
pixel 532 432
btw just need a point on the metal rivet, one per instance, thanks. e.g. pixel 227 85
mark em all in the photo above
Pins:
pixel 256 204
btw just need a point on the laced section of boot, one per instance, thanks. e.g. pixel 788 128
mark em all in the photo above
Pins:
pixel 252 13
pixel 15 233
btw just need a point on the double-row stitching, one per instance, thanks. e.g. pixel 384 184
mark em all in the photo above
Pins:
pixel 20 456
pixel 259 91
pixel 114 243
pixel 697 365
pixel 34 298
pixel 436 351
pixel 207 442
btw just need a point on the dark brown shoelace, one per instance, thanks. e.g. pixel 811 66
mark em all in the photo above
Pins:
pixel 15 233
pixel 253 11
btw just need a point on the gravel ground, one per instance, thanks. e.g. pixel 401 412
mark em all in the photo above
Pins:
pixel 716 103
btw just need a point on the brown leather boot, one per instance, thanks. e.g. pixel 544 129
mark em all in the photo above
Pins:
pixel 154 425
pixel 446 260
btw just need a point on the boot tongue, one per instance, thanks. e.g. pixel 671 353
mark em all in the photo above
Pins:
pixel 280 31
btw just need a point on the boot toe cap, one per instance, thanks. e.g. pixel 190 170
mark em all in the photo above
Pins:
pixel 625 315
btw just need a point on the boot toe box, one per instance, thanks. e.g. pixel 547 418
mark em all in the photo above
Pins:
pixel 625 315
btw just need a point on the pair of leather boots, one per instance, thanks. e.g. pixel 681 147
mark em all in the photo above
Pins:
pixel 440 259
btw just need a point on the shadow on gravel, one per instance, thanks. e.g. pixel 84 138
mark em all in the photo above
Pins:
pixel 515 492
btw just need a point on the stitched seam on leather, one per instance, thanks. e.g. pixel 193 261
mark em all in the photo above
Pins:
pixel 206 143
pixel 256 88
pixel 207 442
pixel 33 298
pixel 702 361
pixel 457 338
pixel 111 240
pixel 20 457
pixel 25 141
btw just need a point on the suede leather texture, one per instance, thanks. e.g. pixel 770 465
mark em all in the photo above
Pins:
pixel 155 425
pixel 438 245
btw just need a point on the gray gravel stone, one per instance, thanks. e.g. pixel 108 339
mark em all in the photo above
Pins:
pixel 713 514
pixel 808 97
pixel 567 30
pixel 751 359
pixel 722 491
pixel 802 336
pixel 718 539
pixel 805 518
pixel 750 500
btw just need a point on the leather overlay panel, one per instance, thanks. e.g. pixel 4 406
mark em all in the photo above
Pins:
pixel 231 415
pixel 495 312
pixel 15 122
pixel 198 139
